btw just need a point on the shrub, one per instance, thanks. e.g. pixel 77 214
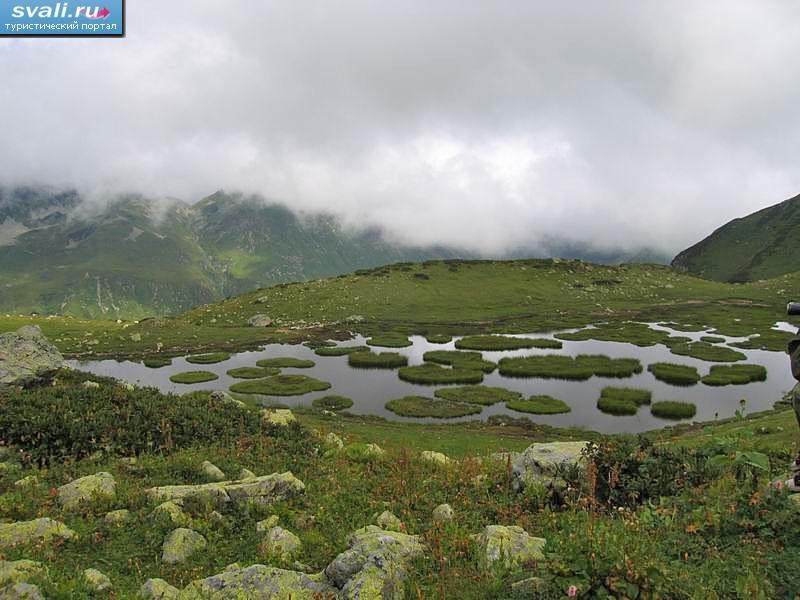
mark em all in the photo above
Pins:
pixel 55 423
pixel 389 340
pixel 674 374
pixel 439 338
pixel 208 359
pixel 379 360
pixel 671 409
pixel 281 385
pixel 504 342
pixel 460 359
pixel 420 406
pixel 434 374
pixel 252 372
pixel 340 350
pixel 734 375
pixel 477 394
pixel 286 362
pixel 579 367
pixel 193 377
pixel 332 402
pixel 635 395
pixel 708 352
pixel 539 405
pixel 617 406
pixel 156 362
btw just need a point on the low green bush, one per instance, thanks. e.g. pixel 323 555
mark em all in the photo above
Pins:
pixel 581 367
pixel 377 360
pixel 635 395
pixel 617 406
pixel 420 406
pixel 281 385
pixel 252 372
pixel 433 374
pixel 460 359
pixel 193 377
pixel 389 341
pixel 707 352
pixel 56 423
pixel 285 362
pixel 439 338
pixel 734 375
pixel 504 342
pixel 208 359
pixel 674 374
pixel 477 394
pixel 156 362
pixel 332 402
pixel 539 405
pixel 340 350
pixel 671 409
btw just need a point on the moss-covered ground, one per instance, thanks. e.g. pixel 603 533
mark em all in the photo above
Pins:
pixel 539 405
pixel 193 377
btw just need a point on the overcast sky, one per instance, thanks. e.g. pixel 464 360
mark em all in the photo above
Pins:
pixel 482 124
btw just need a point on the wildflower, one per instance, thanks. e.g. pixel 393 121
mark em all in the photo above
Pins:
pixel 778 485
pixel 572 591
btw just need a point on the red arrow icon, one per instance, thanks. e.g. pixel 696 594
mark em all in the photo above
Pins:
pixel 103 14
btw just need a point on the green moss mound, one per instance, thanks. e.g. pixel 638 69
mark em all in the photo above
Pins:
pixel 421 406
pixel 770 339
pixel 193 377
pixel 281 385
pixel 674 374
pixel 252 372
pixel 377 360
pixel 389 341
pixel 539 405
pixel 432 374
pixel 638 334
pixel 708 352
pixel 581 367
pixel 734 375
pixel 340 350
pixel 504 342
pixel 671 409
pixel 477 394
pixel 617 406
pixel 460 359
pixel 286 362
pixel 156 362
pixel 208 359
pixel 712 339
pixel 439 338
pixel 635 395
pixel 332 402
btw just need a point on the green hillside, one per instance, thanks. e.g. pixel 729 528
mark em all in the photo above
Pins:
pixel 760 246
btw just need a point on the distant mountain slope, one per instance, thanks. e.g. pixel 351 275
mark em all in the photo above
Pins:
pixel 762 245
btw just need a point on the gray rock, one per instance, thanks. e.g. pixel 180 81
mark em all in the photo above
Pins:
pixel 246 474
pixel 100 486
pixel 280 543
pixel 443 513
pixel 29 481
pixel 18 571
pixel 26 356
pixel 212 471
pixel 25 532
pixel 332 440
pixel 117 517
pixel 541 463
pixel 267 524
pixel 90 385
pixel 21 591
pixel 171 511
pixel 389 521
pixel 158 589
pixel 435 457
pixel 97 580
pixel 259 320
pixel 510 545
pixel 259 582
pixel 180 545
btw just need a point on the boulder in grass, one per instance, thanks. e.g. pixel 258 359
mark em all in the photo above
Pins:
pixel 509 545
pixel 26 356
pixel 100 486
pixel 181 544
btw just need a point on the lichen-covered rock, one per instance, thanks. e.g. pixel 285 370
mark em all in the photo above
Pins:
pixel 100 486
pixel 246 474
pixel 158 589
pixel 375 583
pixel 212 471
pixel 171 511
pixel 509 544
pixel 25 532
pixel 90 385
pixel 96 580
pixel 225 397
pixel 267 524
pixel 280 543
pixel 117 517
pixel 264 490
pixel 17 571
pixel 259 321
pixel 21 591
pixel 435 457
pixel 364 452
pixel 259 582
pixel 333 441
pixel 181 544
pixel 278 416
pixel 540 463
pixel 26 356
pixel 443 513
pixel 29 481
pixel 389 521
pixel 389 551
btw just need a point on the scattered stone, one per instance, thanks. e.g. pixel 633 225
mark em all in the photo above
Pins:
pixel 26 356
pixel 225 397
pixel 117 517
pixel 511 545
pixel 25 532
pixel 259 582
pixel 173 511
pixel 259 321
pixel 333 441
pixel 212 471
pixel 246 474
pixel 280 543
pixel 180 545
pixel 388 521
pixel 90 385
pixel 18 571
pixel 267 524
pixel 263 491
pixel 29 481
pixel 443 513
pixel 158 589
pixel 100 486
pixel 21 591
pixel 278 416
pixel 97 580
pixel 435 457
pixel 541 463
